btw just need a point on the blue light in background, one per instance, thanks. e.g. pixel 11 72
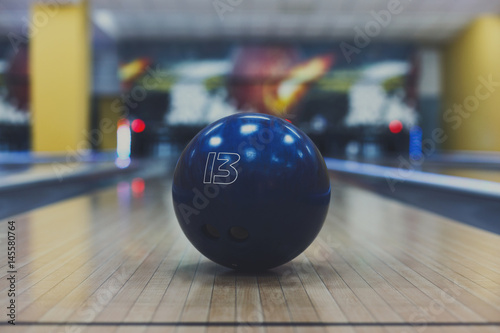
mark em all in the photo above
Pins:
pixel 415 143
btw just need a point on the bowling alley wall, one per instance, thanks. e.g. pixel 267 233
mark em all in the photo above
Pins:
pixel 347 102
pixel 351 102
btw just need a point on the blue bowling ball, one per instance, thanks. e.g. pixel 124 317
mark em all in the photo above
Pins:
pixel 251 191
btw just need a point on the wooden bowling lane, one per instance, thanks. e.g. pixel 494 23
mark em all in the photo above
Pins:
pixel 115 260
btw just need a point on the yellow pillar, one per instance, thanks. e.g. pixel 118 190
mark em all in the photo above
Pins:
pixel 471 64
pixel 60 76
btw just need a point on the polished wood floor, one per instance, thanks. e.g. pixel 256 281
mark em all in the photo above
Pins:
pixel 116 261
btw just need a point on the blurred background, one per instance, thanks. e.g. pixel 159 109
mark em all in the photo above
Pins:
pixel 400 83
pixel 362 78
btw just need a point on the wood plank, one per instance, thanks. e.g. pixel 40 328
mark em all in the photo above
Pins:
pixel 172 303
pixel 325 305
pixel 273 300
pixel 223 302
pixel 298 303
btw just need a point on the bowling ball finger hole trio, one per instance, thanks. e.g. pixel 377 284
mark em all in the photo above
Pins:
pixel 235 233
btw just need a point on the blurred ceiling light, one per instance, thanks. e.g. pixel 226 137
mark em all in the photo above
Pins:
pixel 386 70
pixel 203 69
pixel 105 20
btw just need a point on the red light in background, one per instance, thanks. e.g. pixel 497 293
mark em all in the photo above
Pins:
pixel 395 126
pixel 138 186
pixel 138 125
pixel 288 120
